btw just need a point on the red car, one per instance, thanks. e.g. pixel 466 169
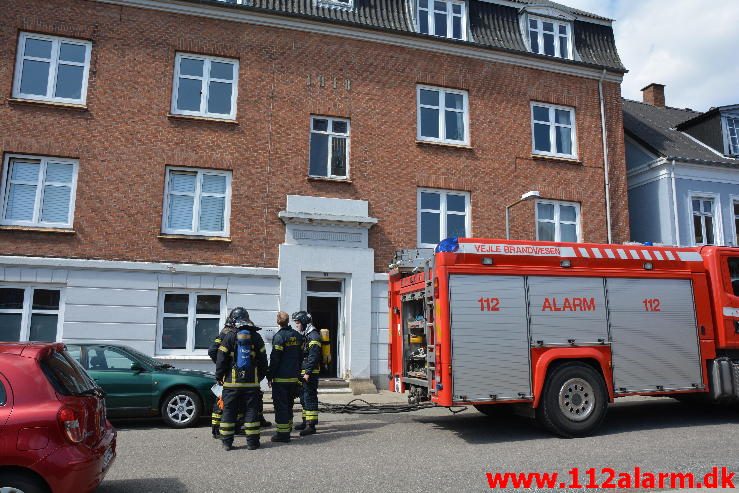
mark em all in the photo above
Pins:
pixel 54 435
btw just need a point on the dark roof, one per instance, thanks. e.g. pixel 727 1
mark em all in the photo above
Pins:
pixel 492 25
pixel 655 128
pixel 704 116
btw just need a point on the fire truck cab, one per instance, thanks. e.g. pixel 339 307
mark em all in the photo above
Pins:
pixel 559 330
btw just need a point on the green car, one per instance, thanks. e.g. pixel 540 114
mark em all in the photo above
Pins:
pixel 137 385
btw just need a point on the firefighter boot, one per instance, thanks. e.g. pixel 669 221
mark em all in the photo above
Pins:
pixel 310 429
pixel 227 445
pixel 300 427
pixel 263 422
pixel 281 437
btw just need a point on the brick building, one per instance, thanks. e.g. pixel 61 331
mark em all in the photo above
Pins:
pixel 166 160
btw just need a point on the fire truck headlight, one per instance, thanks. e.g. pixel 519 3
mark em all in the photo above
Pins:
pixel 648 265
pixel 566 264
pixel 487 261
pixel 448 245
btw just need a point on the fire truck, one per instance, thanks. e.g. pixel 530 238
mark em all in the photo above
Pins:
pixel 558 330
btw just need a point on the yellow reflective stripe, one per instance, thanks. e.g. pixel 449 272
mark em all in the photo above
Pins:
pixel 285 380
pixel 277 347
pixel 263 350
pixel 223 348
pixel 231 385
pixel 218 340
pixel 314 343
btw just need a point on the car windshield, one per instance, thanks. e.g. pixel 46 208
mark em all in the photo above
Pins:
pixel 66 374
pixel 148 359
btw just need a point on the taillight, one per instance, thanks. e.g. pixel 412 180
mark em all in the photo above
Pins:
pixel 70 421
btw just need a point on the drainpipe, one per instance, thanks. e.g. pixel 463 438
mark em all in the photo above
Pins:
pixel 604 135
pixel 674 204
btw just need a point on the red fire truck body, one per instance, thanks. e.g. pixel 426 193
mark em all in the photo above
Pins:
pixel 561 329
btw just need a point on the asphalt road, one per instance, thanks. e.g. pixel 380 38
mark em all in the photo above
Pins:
pixel 430 450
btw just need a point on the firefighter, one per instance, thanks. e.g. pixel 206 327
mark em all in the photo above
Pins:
pixel 309 373
pixel 240 365
pixel 217 411
pixel 284 375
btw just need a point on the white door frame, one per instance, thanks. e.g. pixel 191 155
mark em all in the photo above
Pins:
pixel 343 307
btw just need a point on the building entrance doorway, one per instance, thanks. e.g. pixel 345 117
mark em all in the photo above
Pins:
pixel 324 303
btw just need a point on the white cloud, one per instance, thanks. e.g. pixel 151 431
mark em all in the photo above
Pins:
pixel 691 46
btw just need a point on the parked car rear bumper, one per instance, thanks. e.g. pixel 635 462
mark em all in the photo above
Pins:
pixel 79 468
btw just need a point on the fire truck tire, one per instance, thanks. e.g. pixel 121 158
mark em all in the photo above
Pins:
pixel 574 401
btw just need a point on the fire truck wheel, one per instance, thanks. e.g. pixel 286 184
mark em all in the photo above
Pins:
pixel 574 401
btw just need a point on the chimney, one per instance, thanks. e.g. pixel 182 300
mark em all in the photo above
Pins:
pixel 654 94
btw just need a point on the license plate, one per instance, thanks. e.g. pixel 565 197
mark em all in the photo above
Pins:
pixel 107 457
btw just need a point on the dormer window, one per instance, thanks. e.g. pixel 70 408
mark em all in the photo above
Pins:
pixel 550 37
pixel 443 18
pixel 732 135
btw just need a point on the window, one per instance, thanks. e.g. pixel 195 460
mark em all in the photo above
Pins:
pixel 189 321
pixel 108 359
pixel 29 314
pixel 550 37
pixel 205 86
pixel 49 68
pixel 442 115
pixel 736 222
pixel 197 202
pixel 553 130
pixel 441 215
pixel 734 274
pixel 703 221
pixel 38 191
pixel 732 128
pixel 444 18
pixel 557 221
pixel 67 375
pixel 329 147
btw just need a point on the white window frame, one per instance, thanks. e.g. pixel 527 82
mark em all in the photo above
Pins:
pixel 552 130
pixel 715 198
pixel 197 196
pixel 337 4
pixel 442 115
pixel 728 148
pixel 27 311
pixel 431 10
pixel 734 201
pixel 205 86
pixel 191 319
pixel 331 134
pixel 540 35
pixel 443 213
pixel 556 220
pixel 40 183
pixel 53 68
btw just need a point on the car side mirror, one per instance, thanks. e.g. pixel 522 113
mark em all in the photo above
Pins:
pixel 137 368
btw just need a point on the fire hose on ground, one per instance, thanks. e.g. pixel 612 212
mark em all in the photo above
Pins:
pixel 360 406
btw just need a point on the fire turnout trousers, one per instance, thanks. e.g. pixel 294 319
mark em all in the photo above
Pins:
pixel 309 400
pixel 283 397
pixel 241 401
pixel 215 421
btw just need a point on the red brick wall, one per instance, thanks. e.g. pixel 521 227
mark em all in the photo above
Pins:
pixel 125 139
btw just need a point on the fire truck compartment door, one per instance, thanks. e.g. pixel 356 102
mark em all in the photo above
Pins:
pixel 654 334
pixel 490 343
pixel 565 309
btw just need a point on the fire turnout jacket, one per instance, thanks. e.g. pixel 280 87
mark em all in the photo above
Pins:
pixel 213 348
pixel 226 361
pixel 286 356
pixel 312 351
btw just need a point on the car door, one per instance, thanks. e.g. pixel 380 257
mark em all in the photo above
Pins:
pixel 128 391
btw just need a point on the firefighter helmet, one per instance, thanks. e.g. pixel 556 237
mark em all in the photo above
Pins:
pixel 303 317
pixel 239 317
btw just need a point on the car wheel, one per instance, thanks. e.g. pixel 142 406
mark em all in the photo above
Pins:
pixel 574 401
pixel 181 408
pixel 14 482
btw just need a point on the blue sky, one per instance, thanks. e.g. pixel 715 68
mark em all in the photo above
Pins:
pixel 691 46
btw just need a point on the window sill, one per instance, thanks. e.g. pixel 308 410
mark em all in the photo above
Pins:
pixel 559 159
pixel 39 229
pixel 333 180
pixel 224 239
pixel 173 116
pixel 49 104
pixel 443 144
